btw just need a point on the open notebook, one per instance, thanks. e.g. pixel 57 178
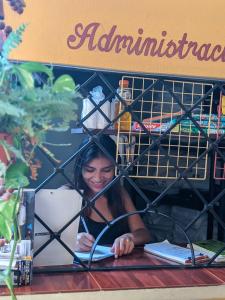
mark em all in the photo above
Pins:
pixel 100 253
pixel 56 207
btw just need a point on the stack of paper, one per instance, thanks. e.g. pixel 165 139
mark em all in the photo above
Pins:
pixel 211 247
pixel 175 253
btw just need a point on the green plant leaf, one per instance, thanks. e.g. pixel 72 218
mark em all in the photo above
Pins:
pixel 64 83
pixel 9 109
pixel 12 149
pixel 2 276
pixel 17 169
pixel 6 226
pixel 14 182
pixel 34 67
pixel 25 77
pixel 5 276
pixel 8 281
pixel 7 216
pixel 12 41
pixel 15 175
pixel 2 169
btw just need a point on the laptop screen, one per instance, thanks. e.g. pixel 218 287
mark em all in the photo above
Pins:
pixel 56 208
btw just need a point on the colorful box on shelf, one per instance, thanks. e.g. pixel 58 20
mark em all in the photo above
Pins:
pixel 23 257
pixel 22 263
pixel 155 126
pixel 186 125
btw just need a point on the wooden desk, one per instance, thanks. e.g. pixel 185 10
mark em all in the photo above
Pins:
pixel 157 282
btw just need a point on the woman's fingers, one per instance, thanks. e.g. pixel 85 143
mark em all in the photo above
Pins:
pixel 131 247
pixel 116 248
pixel 123 245
pixel 88 240
pixel 84 241
pixel 128 245
pixel 83 248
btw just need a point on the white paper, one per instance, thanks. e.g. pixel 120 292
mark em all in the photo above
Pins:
pixel 170 251
pixel 100 252
pixel 5 262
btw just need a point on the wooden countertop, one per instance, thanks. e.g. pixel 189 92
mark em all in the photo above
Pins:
pixel 96 281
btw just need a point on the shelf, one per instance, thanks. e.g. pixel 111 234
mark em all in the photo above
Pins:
pixel 175 135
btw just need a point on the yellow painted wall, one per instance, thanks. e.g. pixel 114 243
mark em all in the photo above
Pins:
pixel 51 22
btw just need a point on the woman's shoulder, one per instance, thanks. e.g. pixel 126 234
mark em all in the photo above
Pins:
pixel 124 191
pixel 127 200
pixel 125 195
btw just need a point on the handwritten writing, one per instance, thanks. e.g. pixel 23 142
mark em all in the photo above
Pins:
pixel 89 36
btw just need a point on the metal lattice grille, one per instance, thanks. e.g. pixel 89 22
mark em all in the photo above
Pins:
pixel 177 142
pixel 219 162
pixel 162 108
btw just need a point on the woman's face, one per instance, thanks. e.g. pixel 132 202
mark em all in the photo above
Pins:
pixel 98 173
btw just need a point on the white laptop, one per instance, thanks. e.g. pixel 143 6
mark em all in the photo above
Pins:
pixel 56 207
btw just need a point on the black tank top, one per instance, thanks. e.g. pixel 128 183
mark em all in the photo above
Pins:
pixel 110 235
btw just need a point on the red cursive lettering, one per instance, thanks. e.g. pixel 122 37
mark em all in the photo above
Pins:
pixel 89 37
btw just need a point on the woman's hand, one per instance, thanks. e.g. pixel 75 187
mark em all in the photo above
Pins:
pixel 84 242
pixel 123 245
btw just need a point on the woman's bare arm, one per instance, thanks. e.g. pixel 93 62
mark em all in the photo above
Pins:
pixel 140 233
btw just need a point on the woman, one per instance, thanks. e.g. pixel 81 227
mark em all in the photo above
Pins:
pixel 94 170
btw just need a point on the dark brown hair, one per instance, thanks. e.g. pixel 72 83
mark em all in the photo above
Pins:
pixel 103 147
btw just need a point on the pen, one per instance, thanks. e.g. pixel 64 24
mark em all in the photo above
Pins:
pixel 85 225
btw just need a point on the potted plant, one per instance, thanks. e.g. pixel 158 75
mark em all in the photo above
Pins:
pixel 32 102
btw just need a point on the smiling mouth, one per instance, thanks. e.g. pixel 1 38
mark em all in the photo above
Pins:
pixel 98 184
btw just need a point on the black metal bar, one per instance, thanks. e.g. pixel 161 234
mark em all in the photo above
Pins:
pixel 209 204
